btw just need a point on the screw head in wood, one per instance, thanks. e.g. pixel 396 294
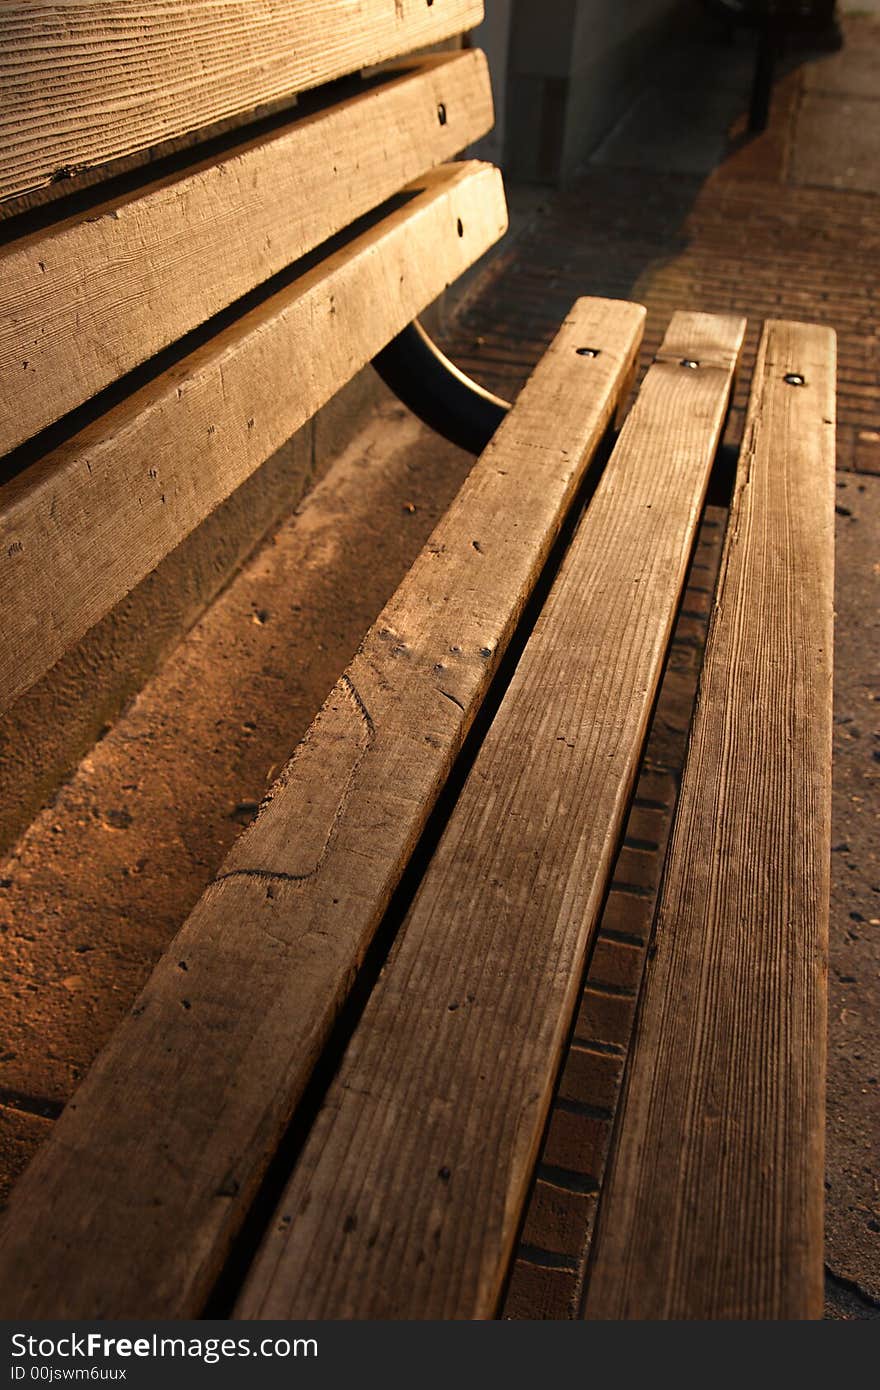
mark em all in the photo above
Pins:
pixel 794 379
pixel 587 352
pixel 689 362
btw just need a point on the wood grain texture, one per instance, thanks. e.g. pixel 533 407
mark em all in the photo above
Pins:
pixel 86 81
pixel 714 1208
pixel 82 526
pixel 180 1114
pixel 88 300
pixel 408 1195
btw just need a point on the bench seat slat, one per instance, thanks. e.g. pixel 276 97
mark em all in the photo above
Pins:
pixel 88 81
pixel 714 1205
pixel 83 525
pixel 151 1168
pixel 85 302
pixel 408 1194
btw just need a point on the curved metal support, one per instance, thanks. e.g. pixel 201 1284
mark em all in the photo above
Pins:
pixel 433 388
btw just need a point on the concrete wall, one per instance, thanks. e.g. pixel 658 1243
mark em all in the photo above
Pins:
pixel 612 48
pixel 563 71
pixel 493 36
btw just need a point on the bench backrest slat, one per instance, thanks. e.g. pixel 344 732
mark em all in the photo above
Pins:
pixel 413 1206
pixel 714 1205
pixel 179 1115
pixel 84 302
pixel 87 81
pixel 79 528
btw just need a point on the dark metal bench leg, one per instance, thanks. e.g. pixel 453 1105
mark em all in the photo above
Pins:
pixel 433 388
pixel 769 50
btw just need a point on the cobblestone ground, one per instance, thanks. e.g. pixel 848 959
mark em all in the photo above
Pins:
pixel 680 209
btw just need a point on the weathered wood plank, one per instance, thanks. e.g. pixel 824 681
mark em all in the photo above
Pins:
pixel 714 1207
pixel 82 526
pixel 84 302
pixel 408 1195
pixel 180 1114
pixel 86 81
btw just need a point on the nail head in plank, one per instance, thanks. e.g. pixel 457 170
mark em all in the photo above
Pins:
pixel 153 467
pixel 180 1114
pixel 86 81
pixel 408 1195
pixel 86 301
pixel 714 1204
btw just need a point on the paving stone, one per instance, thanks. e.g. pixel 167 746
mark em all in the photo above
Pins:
pixel 616 965
pixel 604 1018
pixel 823 158
pixel 627 915
pixel 559 1220
pixel 591 1077
pixel 577 1142
pixel 541 1292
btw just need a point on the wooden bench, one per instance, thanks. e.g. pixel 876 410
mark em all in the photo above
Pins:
pixel 464 787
